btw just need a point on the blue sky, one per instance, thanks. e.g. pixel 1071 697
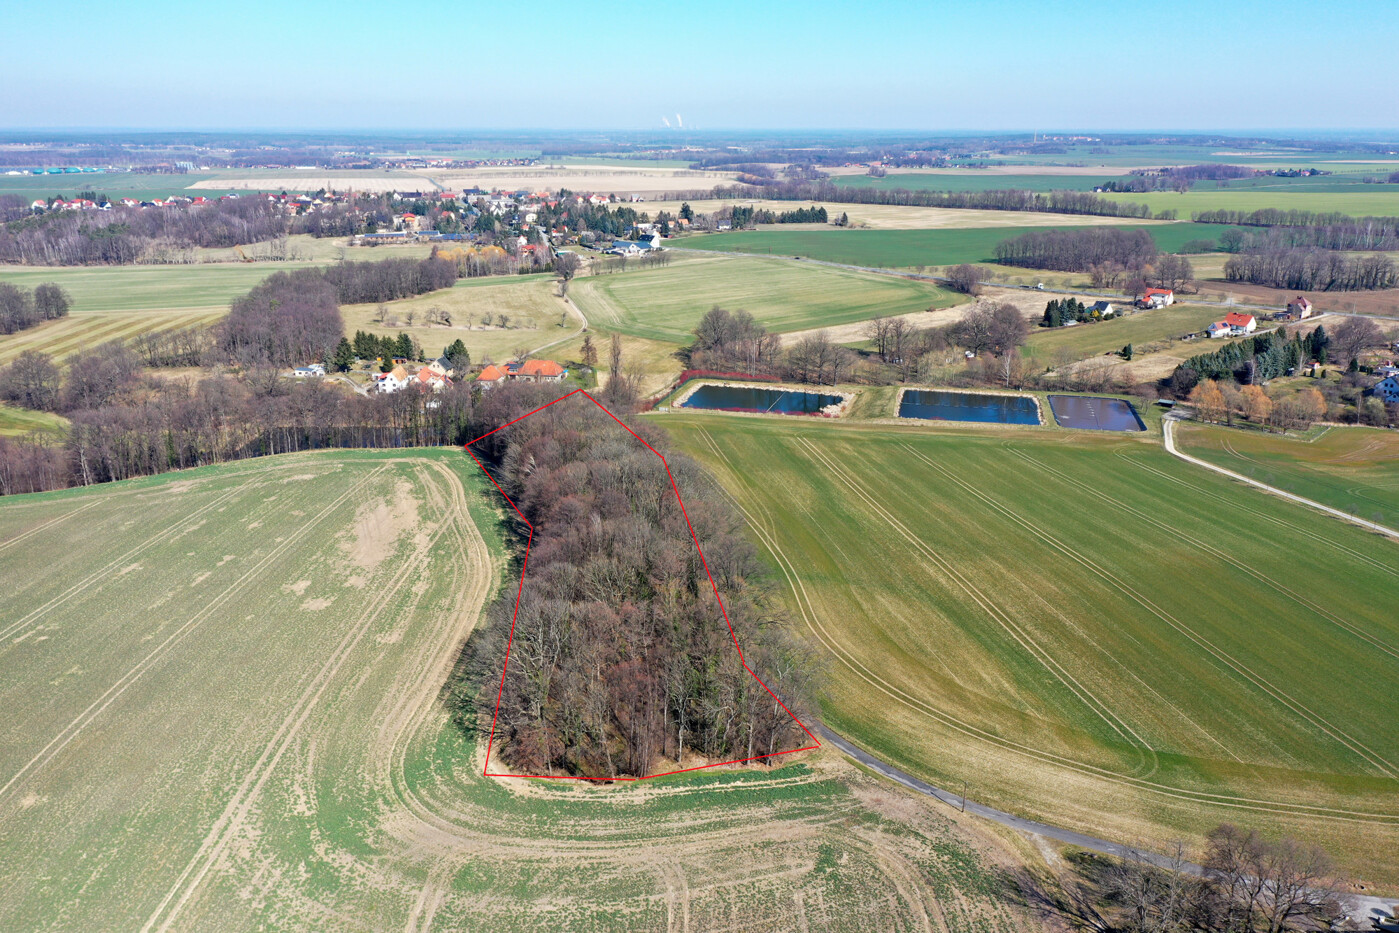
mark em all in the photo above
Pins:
pixel 464 65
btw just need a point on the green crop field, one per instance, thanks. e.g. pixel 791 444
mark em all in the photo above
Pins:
pixel 1355 470
pixel 1094 633
pixel 903 249
pixel 665 303
pixel 1137 328
pixel 222 713
pixel 1357 200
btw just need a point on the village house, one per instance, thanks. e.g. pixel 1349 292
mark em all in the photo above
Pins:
pixel 314 370
pixel 1219 329
pixel 1157 298
pixel 541 371
pixel 428 380
pixel 1241 323
pixel 491 377
pixel 1387 390
pixel 394 380
pixel 1104 308
pixel 1298 309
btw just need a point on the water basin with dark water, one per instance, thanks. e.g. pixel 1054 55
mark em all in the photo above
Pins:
pixel 1095 413
pixel 744 398
pixel 936 405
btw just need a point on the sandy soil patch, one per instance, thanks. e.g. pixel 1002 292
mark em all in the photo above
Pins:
pixel 299 587
pixel 316 604
pixel 378 524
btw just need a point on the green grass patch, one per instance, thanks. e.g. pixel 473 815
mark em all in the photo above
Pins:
pixel 665 303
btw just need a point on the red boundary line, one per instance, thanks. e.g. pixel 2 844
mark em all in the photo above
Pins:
pixel 486 771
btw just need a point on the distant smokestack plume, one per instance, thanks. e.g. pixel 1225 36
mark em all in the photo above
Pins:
pixel 679 122
pixel 665 121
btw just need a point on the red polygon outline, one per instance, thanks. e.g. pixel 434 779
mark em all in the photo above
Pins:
pixel 486 771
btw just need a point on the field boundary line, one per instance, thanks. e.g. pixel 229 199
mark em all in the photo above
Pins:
pixel 1168 424
pixel 85 718
pixel 1039 756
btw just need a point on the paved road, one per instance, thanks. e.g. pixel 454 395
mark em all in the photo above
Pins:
pixel 1364 906
pixel 1168 426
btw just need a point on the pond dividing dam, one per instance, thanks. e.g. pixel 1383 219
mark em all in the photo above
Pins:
pixel 937 405
pixel 748 398
pixel 1095 413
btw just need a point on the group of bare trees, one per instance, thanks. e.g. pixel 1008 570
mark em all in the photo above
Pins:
pixel 1248 884
pixel 1078 250
pixel 288 318
pixel 1054 202
pixel 126 235
pixel 1312 270
pixel 20 308
pixel 620 654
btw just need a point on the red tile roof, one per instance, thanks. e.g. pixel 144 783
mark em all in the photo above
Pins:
pixel 491 374
pixel 1235 319
pixel 541 368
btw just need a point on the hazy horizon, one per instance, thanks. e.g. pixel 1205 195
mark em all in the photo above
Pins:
pixel 998 66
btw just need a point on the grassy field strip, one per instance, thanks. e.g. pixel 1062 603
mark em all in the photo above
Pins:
pixel 1147 755
pixel 66 336
pixel 811 616
pixel 107 570
pixel 1310 533
pixel 117 689
pixel 1110 579
pixel 236 812
pixel 1214 552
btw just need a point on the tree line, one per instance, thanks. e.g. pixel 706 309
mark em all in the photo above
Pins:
pixel 1053 202
pixel 1176 178
pixel 1276 217
pixel 1259 358
pixel 1249 883
pixel 127 235
pixel 1372 234
pixel 21 309
pixel 620 656
pixel 1312 270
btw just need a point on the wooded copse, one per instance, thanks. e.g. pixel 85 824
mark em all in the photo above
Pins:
pixel 20 308
pixel 1078 250
pixel 620 657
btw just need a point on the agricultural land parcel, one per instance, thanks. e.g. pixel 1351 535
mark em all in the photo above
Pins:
pixel 222 693
pixel 1355 470
pixel 666 302
pixel 902 249
pixel 1027 615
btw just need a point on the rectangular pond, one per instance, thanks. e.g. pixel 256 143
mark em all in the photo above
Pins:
pixel 746 398
pixel 936 405
pixel 1095 413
